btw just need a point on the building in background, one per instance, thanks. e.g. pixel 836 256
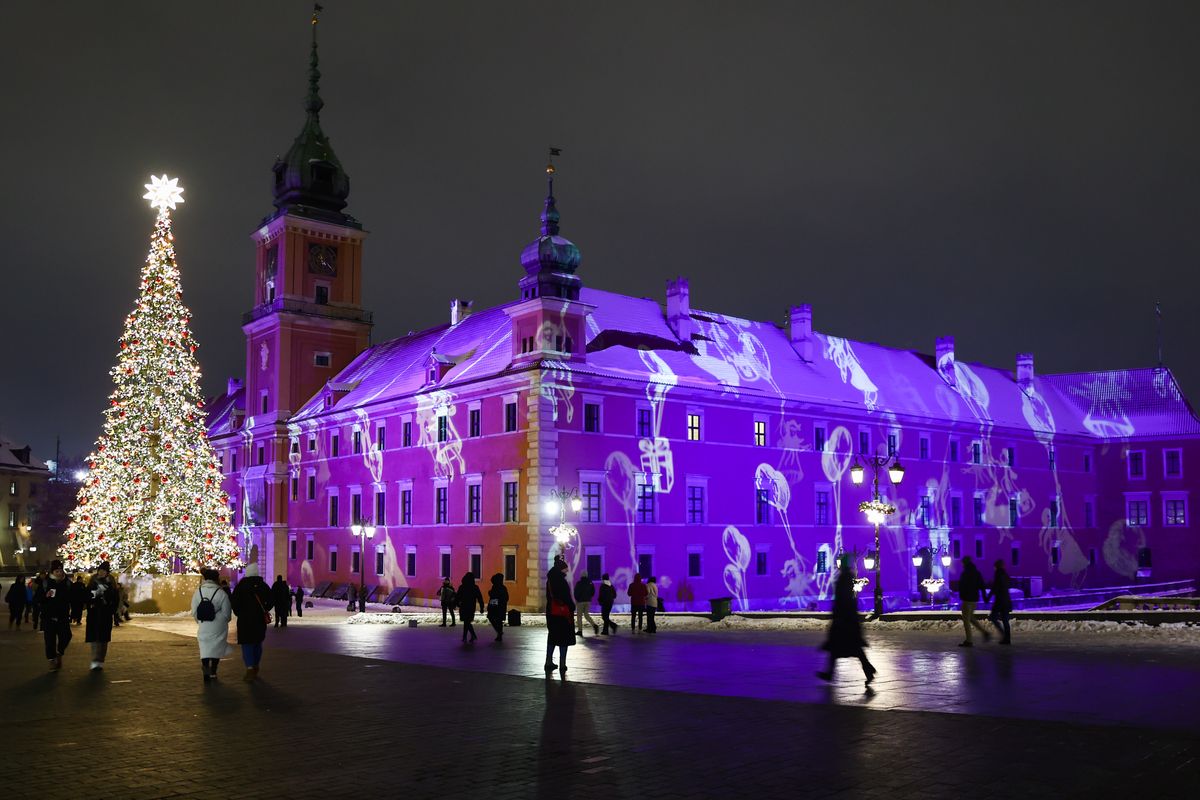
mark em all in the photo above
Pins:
pixel 23 481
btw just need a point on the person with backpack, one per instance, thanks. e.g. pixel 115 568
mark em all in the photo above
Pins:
pixel 651 604
pixel 55 609
pixel 449 601
pixel 252 606
pixel 585 590
pixel 970 589
pixel 16 602
pixel 637 603
pixel 468 596
pixel 281 594
pixel 101 613
pixel 497 607
pixel 212 611
pixel 608 596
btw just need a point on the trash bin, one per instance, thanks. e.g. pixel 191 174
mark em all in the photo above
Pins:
pixel 721 607
pixel 514 617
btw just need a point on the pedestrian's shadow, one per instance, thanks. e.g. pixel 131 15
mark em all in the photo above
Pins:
pixel 42 684
pixel 557 737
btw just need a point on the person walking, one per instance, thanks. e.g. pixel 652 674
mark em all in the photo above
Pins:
pixel 560 610
pixel 251 604
pixel 970 588
pixel 651 604
pixel 101 613
pixel 585 590
pixel 212 611
pixel 55 610
pixel 845 638
pixel 299 601
pixel 16 602
pixel 79 598
pixel 449 602
pixel 497 607
pixel 637 603
pixel 34 600
pixel 469 596
pixel 1001 602
pixel 608 596
pixel 281 595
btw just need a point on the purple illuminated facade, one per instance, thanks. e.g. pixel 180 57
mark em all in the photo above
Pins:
pixel 708 450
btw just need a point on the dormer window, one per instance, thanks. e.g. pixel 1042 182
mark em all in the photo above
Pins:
pixel 321 295
pixel 322 176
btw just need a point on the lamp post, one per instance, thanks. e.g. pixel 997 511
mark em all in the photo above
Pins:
pixel 877 511
pixel 560 498
pixel 363 532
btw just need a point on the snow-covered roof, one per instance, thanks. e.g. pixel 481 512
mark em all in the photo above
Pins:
pixel 19 459
pixel 221 409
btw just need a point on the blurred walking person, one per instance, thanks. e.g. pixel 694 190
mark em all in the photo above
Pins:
pixel 55 609
pixel 971 590
pixel 468 597
pixel 101 613
pixel 497 607
pixel 281 594
pixel 212 611
pixel 252 604
pixel 607 596
pixel 449 601
pixel 1001 603
pixel 637 603
pixel 651 604
pixel 845 638
pixel 585 590
pixel 299 601
pixel 16 602
pixel 560 612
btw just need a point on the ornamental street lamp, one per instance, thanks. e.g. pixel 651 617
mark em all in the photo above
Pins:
pixel 877 511
pixel 564 531
pixel 363 532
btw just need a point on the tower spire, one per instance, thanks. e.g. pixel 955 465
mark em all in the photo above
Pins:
pixel 550 260
pixel 550 211
pixel 313 103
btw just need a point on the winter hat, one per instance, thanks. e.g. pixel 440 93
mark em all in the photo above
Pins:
pixel 252 571
pixel 104 565
pixel 55 565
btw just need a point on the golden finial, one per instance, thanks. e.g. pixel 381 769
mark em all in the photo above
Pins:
pixel 554 151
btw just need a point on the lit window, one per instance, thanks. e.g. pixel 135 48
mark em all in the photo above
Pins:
pixel 760 433
pixel 1137 512
pixel 1175 511
pixel 693 427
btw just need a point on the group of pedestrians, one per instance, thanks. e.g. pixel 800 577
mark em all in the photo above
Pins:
pixel 54 602
pixel 252 601
pixel 972 589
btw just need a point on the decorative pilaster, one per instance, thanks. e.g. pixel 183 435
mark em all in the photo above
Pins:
pixel 541 456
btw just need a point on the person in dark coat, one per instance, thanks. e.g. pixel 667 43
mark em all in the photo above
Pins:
pixel 55 609
pixel 560 613
pixel 299 601
pixel 637 603
pixel 845 632
pixel 252 604
pixel 469 596
pixel 281 595
pixel 497 607
pixel 971 589
pixel 79 598
pixel 16 602
pixel 33 602
pixel 585 590
pixel 101 612
pixel 449 602
pixel 1001 603
pixel 607 596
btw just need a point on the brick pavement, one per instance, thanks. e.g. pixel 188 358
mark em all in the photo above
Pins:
pixel 320 724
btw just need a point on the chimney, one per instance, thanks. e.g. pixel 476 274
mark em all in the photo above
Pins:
pixel 459 310
pixel 679 309
pixel 232 386
pixel 945 358
pixel 1025 371
pixel 799 323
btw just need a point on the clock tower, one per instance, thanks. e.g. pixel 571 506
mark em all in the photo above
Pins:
pixel 307 322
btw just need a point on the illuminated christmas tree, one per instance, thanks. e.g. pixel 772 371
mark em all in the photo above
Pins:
pixel 152 498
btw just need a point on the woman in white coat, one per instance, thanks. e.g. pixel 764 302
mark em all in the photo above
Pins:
pixel 212 611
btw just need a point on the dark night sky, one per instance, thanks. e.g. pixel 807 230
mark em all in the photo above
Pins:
pixel 1022 176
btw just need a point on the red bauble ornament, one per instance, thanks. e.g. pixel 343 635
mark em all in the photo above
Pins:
pixel 104 556
pixel 162 556
pixel 100 537
pixel 158 537
pixel 185 517
pixel 112 499
pixel 198 500
pixel 137 480
pixel 167 446
pixel 142 429
pixel 208 536
pixel 86 518
pixel 129 519
pixel 70 537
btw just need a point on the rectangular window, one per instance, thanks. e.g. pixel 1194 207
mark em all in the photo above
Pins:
pixel 321 359
pixel 410 561
pixel 356 514
pixel 406 507
pixel 295 488
pixel 1010 454
pixel 380 438
pixel 695 505
pixel 380 507
pixel 443 428
pixel 1137 512
pixel 445 562
pixel 1175 512
pixel 956 511
pixel 333 559
pixel 822 517
pixel 510 417
pixel 644 423
pixel 440 510
pixel 760 433
pixel 474 490
pixel 953 451
pixel 864 443
pixel 976 453
pixel 335 442
pixel 1087 462
pixel 924 448
pixel 321 295
pixel 312 487
pixel 761 507
pixel 591 501
pixel 292 548
pixel 476 422
pixel 956 548
pixel 262 455
pixel 355 560
pixel 645 502
pixel 476 563
pixel 822 561
pixel 378 560
pixel 595 567
pixel 760 562
pixel 1137 463
pixel 406 434
pixel 978 512
pixel 892 444
pixel 333 510
pixel 591 417
pixel 1089 520
pixel 312 444
pixel 1091 556
pixel 1143 557
pixel 1173 463
pixel 510 501
pixel 695 563
pixel 357 442
pixel 1054 513
pixel 510 566
pixel 1016 556
pixel 308 548
pixel 264 402
pixel 819 438
pixel 926 511
pixel 693 427
pixel 1013 512
pixel 645 564
pixel 12 518
pixel 978 547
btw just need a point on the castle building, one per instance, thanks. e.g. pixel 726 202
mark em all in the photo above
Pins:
pixel 22 487
pixel 713 452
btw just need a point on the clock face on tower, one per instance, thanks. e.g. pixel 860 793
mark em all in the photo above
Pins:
pixel 322 259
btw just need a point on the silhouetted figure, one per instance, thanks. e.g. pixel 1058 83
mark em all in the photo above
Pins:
pixel 1001 603
pixel 449 601
pixel 970 590
pixel 585 590
pixel 102 602
pixel 299 601
pixel 560 612
pixel 607 596
pixel 212 611
pixel 468 597
pixel 252 604
pixel 34 602
pixel 281 594
pixel 497 607
pixel 637 603
pixel 845 632
pixel 55 610
pixel 79 598
pixel 16 602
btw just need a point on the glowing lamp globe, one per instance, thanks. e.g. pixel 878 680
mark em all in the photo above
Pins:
pixel 917 560
pixel 946 560
pixel 875 516
pixel 869 561
pixel 553 507
pixel 356 529
pixel 896 472
pixel 576 504
pixel 856 474
pixel 369 530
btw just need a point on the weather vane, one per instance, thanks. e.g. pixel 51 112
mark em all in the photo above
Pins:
pixel 317 9
pixel 163 193
pixel 554 151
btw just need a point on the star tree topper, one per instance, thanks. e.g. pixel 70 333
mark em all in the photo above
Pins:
pixel 163 192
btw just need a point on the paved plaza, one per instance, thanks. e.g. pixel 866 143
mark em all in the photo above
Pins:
pixel 390 711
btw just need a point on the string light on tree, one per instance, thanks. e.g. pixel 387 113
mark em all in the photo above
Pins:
pixel 152 494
